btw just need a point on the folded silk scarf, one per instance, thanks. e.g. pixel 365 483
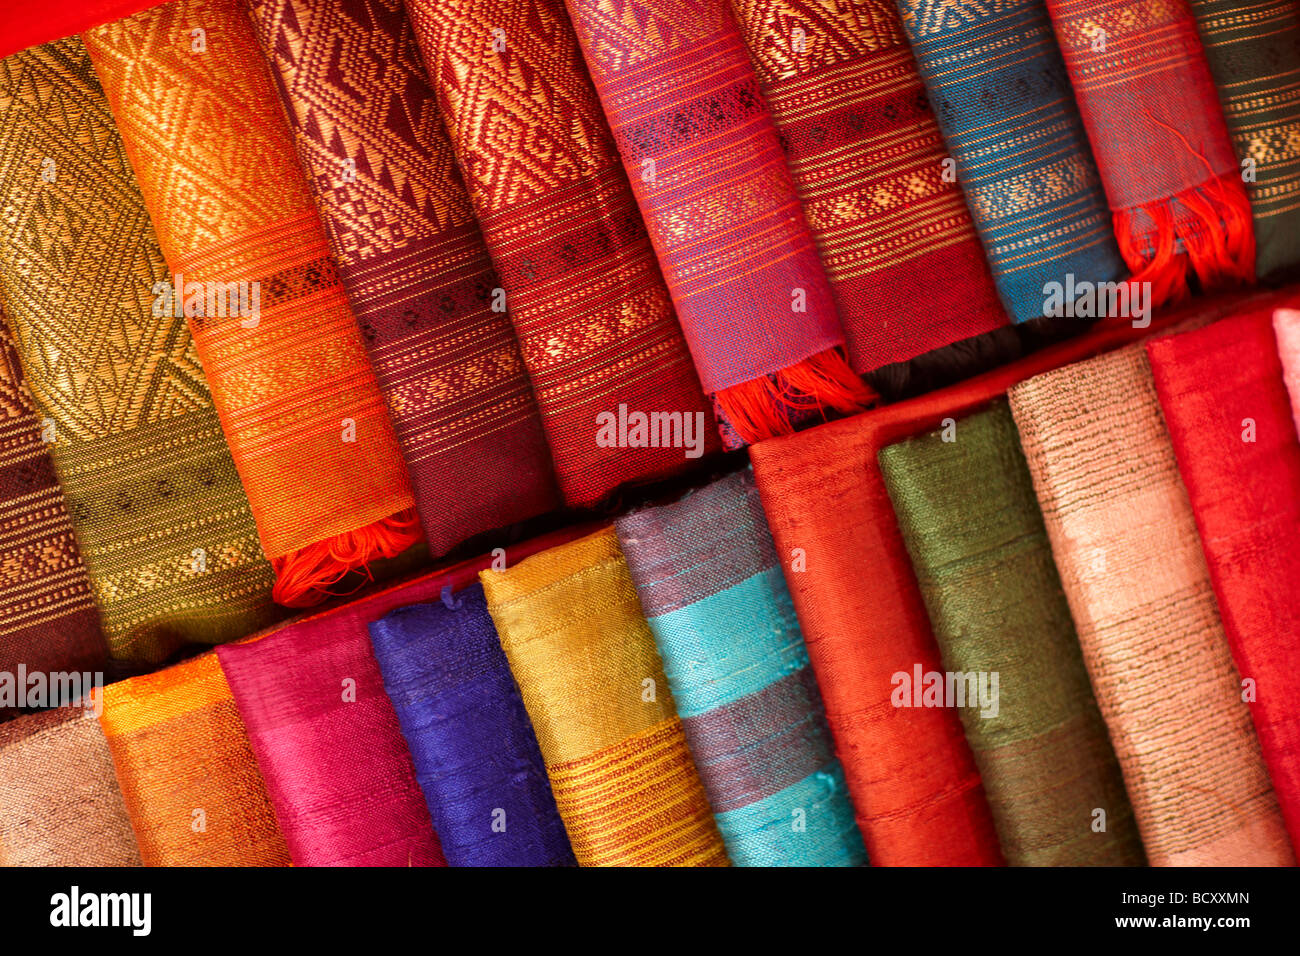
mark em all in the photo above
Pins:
pixel 48 619
pixel 1125 543
pixel 864 621
pixel 288 369
pixel 159 513
pixel 472 745
pixel 584 292
pixel 966 508
pixel 411 257
pixel 588 672
pixel 1222 396
pixel 59 801
pixel 327 740
pixel 1253 48
pixel 706 166
pixel 187 773
pixel 906 267
pixel 1002 98
pixel 1286 326
pixel 1148 102
pixel 711 588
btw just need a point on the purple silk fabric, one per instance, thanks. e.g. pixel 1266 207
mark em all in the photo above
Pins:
pixel 471 741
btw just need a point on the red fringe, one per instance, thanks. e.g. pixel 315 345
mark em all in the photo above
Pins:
pixel 304 577
pixel 761 408
pixel 1218 240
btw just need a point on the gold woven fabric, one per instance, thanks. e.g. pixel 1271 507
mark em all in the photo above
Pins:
pixel 1130 560
pixel 187 771
pixel 157 505
pixel 204 130
pixel 592 682
pixel 59 801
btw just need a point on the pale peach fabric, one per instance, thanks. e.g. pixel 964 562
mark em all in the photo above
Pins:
pixel 1286 323
pixel 1130 561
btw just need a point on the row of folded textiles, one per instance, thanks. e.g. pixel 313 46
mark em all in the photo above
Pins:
pixel 1047 616
pixel 296 287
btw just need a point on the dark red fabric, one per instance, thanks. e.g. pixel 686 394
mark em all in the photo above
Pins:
pixel 1215 384
pixel 914 784
pixel 26 23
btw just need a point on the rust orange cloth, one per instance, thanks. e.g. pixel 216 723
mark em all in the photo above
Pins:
pixel 1153 119
pixel 863 618
pixel 592 682
pixel 1229 419
pixel 412 259
pixel 295 391
pixel 706 166
pixel 905 264
pixel 1125 543
pixel 583 289
pixel 186 770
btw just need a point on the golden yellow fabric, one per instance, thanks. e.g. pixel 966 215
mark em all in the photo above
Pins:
pixel 591 679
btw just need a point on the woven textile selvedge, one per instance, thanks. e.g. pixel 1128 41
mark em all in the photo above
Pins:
pixel 337 770
pixel 1286 327
pixel 966 509
pixel 1253 49
pixel 160 516
pixel 1125 544
pixel 472 745
pixel 863 618
pixel 1153 118
pixel 411 257
pixel 711 589
pixel 297 397
pixel 585 662
pixel 48 618
pixel 187 773
pixel 59 800
pixel 1229 419
pixel 589 305
pixel 707 170
pixel 1002 98
pixel 905 265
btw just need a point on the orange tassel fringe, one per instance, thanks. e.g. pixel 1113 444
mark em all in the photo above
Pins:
pixel 1218 240
pixel 761 408
pixel 304 577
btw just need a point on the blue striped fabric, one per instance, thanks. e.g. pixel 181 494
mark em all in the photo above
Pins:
pixel 1003 100
pixel 711 588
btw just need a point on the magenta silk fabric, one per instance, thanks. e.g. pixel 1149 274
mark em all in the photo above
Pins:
pixel 327 740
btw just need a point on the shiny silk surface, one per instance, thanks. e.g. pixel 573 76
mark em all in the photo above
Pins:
pixel 471 742
pixel 1229 419
pixel 412 259
pixel 589 305
pixel 591 679
pixel 297 396
pixel 905 264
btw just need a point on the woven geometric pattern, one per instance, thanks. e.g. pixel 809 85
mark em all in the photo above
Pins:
pixel 137 446
pixel 298 400
pixel 584 291
pixel 413 262
pixel 1002 98
pixel 906 267
pixel 1125 542
pixel 591 679
pixel 1253 48
pixel 966 509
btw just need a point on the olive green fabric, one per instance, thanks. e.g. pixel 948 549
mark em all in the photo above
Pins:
pixel 967 511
